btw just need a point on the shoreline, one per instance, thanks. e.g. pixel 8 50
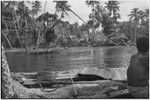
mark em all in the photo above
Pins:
pixel 56 48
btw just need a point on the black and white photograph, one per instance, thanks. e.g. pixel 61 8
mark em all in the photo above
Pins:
pixel 74 49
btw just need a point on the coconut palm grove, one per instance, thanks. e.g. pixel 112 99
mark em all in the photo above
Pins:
pixel 46 56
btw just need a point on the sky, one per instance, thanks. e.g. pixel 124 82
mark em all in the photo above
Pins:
pixel 80 7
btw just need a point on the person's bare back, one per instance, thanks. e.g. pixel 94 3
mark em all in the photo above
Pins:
pixel 138 71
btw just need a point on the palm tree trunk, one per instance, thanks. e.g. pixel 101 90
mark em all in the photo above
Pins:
pixel 7 40
pixel 37 43
pixel 7 89
pixel 38 39
pixel 135 30
pixel 8 32
pixel 114 16
pixel 17 33
pixel 17 21
pixel 5 24
pixel 77 15
pixel 26 43
pixel 39 36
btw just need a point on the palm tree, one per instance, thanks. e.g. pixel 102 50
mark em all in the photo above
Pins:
pixel 94 16
pixel 93 4
pixel 113 7
pixel 68 9
pixel 134 16
pixel 36 8
pixel 63 7
pixel 20 15
pixel 99 8
pixel 8 10
pixel 6 16
pixel 142 15
pixel 46 18
pixel 26 18
pixel 100 11
pixel 109 7
pixel 143 21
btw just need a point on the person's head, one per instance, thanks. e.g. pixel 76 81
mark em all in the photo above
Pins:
pixel 142 44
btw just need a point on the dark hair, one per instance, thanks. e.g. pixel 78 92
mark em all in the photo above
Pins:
pixel 142 44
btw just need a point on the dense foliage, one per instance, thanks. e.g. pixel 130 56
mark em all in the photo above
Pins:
pixel 22 28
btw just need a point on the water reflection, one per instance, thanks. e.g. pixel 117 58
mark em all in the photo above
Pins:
pixel 71 59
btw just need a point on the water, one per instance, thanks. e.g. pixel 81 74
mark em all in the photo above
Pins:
pixel 72 58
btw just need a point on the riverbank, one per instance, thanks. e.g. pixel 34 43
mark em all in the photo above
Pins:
pixel 38 50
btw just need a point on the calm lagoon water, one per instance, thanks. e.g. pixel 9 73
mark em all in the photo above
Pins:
pixel 71 58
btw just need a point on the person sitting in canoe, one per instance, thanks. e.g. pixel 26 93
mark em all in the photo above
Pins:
pixel 138 70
